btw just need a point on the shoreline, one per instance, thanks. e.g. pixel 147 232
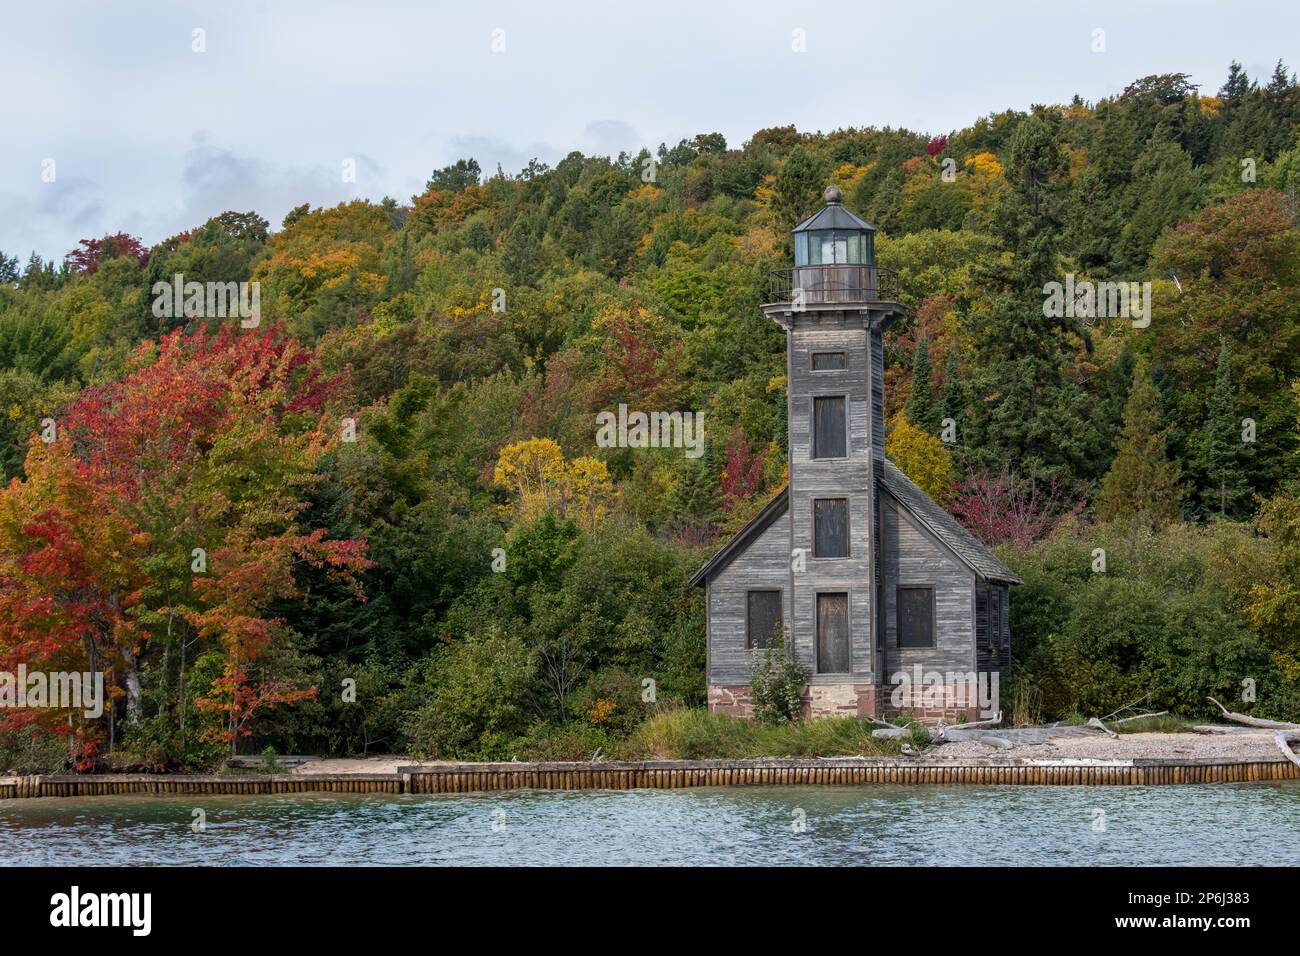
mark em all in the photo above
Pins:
pixel 673 774
pixel 1130 759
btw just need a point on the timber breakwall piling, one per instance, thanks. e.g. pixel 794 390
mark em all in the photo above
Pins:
pixel 664 775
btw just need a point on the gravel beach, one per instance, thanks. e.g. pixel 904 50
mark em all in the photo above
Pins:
pixel 1246 745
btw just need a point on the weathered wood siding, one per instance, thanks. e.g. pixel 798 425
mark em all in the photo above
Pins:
pixel 764 564
pixel 878 393
pixel 914 557
pixel 847 477
pixel 992 646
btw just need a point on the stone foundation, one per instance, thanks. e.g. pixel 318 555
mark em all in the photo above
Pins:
pixel 732 699
pixel 928 704
pixel 951 703
pixel 839 700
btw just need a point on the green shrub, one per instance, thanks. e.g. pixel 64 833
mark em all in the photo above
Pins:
pixel 1163 619
pixel 155 742
pixel 478 689
pixel 270 762
pixel 329 725
pixel 573 741
pixel 776 685
pixel 32 752
pixel 610 699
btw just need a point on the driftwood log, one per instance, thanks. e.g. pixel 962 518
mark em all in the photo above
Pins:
pixel 1004 738
pixel 1287 734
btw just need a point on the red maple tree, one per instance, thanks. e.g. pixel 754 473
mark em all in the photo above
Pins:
pixel 1002 509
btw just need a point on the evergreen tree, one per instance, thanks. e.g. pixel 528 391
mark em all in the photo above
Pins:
pixel 798 187
pixel 920 408
pixel 457 177
pixel 1280 81
pixel 953 398
pixel 1237 87
pixel 1220 454
pixel 1142 484
pixel 1165 188
pixel 1029 415
pixel 696 503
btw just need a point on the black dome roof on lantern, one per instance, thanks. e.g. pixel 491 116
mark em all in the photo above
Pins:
pixel 834 236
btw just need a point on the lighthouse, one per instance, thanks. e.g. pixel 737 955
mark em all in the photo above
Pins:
pixel 869 579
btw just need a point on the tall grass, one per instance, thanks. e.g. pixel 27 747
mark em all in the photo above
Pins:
pixel 1164 724
pixel 695 734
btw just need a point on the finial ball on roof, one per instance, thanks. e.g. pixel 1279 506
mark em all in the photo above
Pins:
pixel 833 194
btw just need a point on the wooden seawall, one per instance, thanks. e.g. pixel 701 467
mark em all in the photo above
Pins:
pixel 115 784
pixel 666 774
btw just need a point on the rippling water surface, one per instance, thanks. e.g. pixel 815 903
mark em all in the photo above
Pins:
pixel 1224 824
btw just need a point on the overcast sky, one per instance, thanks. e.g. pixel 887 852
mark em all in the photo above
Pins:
pixel 150 137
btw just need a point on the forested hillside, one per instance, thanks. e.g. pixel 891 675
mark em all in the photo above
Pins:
pixel 379 519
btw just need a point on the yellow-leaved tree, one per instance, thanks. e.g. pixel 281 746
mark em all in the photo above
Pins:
pixel 921 457
pixel 587 492
pixel 539 480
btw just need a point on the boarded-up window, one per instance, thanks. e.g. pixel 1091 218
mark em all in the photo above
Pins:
pixel 829 436
pixel 833 633
pixel 916 617
pixel 983 632
pixel 1006 621
pixel 763 622
pixel 831 528
pixel 827 361
pixel 995 617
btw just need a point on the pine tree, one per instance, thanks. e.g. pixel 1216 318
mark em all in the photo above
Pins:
pixel 798 187
pixel 920 408
pixel 1026 413
pixel 696 504
pixel 1220 454
pixel 953 399
pixel 1237 86
pixel 1142 484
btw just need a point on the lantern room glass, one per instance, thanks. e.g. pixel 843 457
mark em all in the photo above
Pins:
pixel 822 247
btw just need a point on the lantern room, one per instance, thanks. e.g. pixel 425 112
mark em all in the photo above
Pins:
pixel 834 260
pixel 834 236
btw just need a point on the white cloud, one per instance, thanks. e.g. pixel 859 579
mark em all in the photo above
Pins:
pixel 287 90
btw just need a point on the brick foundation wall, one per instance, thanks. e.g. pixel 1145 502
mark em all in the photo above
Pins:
pixel 952 703
pixel 732 699
pixel 858 700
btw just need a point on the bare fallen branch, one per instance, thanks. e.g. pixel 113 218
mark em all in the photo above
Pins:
pixel 1254 721
pixel 1225 729
pixel 884 723
pixel 1125 720
pixel 1094 722
pixel 995 719
pixel 1285 738
pixel 891 733
pixel 1115 713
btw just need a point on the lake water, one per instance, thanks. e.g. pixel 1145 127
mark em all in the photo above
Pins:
pixel 1221 824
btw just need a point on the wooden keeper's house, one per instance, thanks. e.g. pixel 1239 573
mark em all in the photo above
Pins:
pixel 869 577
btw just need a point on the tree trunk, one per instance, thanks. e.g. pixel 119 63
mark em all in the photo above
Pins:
pixel 134 695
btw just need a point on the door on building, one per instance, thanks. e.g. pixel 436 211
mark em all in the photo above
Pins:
pixel 833 633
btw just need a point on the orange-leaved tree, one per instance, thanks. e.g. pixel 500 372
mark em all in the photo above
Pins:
pixel 169 515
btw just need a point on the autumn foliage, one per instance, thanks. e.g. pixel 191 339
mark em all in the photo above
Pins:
pixel 1001 509
pixel 168 516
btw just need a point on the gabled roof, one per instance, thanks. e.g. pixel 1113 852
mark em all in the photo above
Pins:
pixel 752 529
pixel 969 549
pixel 833 216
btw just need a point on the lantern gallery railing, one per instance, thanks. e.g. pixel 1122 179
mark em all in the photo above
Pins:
pixel 812 285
